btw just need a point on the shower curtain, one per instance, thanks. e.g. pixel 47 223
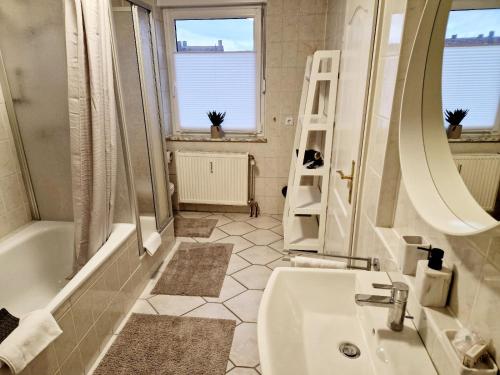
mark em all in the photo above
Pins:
pixel 93 124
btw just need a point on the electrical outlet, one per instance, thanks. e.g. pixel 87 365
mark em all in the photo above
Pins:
pixel 289 121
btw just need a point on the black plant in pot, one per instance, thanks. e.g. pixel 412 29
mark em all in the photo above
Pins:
pixel 454 118
pixel 216 118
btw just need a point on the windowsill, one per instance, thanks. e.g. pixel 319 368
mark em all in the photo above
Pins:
pixel 207 138
pixel 476 138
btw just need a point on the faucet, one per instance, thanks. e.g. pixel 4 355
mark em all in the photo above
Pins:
pixel 396 303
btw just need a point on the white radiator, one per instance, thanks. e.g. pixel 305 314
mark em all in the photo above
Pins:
pixel 212 177
pixel 481 175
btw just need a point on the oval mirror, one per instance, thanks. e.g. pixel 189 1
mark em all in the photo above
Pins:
pixel 450 118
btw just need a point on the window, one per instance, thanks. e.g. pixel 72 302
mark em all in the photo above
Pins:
pixel 215 64
pixel 471 67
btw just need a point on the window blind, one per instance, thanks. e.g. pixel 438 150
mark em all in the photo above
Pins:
pixel 471 80
pixel 223 82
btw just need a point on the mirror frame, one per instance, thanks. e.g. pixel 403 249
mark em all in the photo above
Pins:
pixel 431 178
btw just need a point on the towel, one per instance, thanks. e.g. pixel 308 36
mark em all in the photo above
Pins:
pixel 152 243
pixel 303 261
pixel 35 332
pixel 8 323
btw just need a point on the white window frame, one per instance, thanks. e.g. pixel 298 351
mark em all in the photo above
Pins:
pixel 477 5
pixel 256 12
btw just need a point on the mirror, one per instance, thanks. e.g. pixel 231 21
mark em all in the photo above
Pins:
pixel 138 72
pixel 430 162
pixel 471 88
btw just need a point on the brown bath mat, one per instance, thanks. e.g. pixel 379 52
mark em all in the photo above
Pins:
pixel 196 269
pixel 168 345
pixel 194 227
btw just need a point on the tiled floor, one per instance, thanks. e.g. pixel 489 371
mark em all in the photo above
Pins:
pixel 257 250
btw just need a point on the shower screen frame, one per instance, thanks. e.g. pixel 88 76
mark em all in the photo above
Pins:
pixel 161 222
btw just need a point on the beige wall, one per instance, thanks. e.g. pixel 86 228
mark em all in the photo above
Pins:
pixel 14 208
pixel 335 20
pixel 475 294
pixel 294 30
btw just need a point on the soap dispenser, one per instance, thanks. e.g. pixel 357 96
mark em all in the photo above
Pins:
pixel 432 279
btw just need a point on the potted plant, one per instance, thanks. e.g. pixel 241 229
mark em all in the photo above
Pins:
pixel 216 118
pixel 454 118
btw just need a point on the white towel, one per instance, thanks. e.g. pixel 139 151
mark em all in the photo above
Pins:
pixel 303 261
pixel 35 332
pixel 152 243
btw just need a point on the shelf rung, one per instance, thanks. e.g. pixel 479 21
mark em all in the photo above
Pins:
pixel 303 234
pixel 321 171
pixel 308 200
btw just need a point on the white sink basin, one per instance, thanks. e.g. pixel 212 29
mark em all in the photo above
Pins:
pixel 306 314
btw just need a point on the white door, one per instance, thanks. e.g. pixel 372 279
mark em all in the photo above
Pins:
pixel 355 65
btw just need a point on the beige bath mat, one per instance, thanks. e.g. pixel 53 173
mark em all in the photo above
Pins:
pixel 170 345
pixel 196 269
pixel 194 227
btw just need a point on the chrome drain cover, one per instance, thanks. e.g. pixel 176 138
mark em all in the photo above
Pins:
pixel 349 350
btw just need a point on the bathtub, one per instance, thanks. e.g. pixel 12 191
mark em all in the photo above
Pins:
pixel 148 226
pixel 35 261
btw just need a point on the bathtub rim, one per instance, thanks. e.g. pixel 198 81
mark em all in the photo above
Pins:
pixel 120 234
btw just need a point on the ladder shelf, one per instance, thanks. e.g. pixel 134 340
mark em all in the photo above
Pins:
pixel 304 216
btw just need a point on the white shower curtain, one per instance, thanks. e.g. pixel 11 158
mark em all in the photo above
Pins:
pixel 93 123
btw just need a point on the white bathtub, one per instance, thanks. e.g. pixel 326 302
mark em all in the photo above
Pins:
pixel 35 261
pixel 148 226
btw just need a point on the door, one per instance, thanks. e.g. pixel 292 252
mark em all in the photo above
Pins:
pixel 355 66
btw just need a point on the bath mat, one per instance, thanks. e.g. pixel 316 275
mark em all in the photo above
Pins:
pixel 168 345
pixel 8 323
pixel 194 227
pixel 196 269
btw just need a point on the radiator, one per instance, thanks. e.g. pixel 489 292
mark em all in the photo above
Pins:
pixel 212 177
pixel 481 175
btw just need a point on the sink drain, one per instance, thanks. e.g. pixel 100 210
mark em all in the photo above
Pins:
pixel 349 350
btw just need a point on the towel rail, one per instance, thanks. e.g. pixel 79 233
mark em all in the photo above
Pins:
pixel 372 264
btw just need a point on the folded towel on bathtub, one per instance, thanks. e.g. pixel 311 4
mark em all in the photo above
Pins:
pixel 8 323
pixel 35 332
pixel 152 243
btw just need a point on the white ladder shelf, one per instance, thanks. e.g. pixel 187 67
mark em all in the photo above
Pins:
pixel 304 216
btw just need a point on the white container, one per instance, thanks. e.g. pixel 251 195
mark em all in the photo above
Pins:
pixel 432 286
pixel 485 367
pixel 409 254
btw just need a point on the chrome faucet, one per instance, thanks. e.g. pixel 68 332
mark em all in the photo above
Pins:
pixel 396 303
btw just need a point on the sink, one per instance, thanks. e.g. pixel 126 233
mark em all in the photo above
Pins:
pixel 309 324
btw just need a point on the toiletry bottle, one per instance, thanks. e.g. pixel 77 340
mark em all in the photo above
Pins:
pixel 432 279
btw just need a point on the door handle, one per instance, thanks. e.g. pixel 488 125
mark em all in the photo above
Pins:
pixel 211 167
pixel 349 179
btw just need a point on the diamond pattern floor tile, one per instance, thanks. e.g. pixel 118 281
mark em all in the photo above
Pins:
pixel 214 311
pixel 279 263
pixel 237 216
pixel 239 243
pixel 278 229
pixel 221 219
pixel 253 277
pixel 237 228
pixel 143 307
pixel 244 351
pixel 175 305
pixel 260 255
pixel 246 305
pixel 262 237
pixel 263 222
pixel 230 288
pixel 242 371
pixel 278 245
pixel 217 234
pixel 236 263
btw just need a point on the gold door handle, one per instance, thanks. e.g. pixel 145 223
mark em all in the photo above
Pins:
pixel 343 176
pixel 349 179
